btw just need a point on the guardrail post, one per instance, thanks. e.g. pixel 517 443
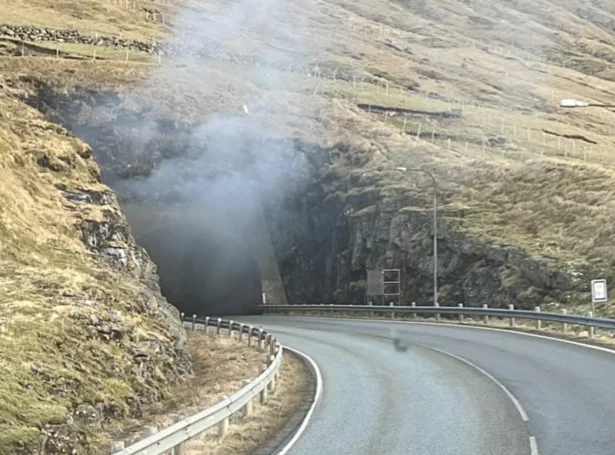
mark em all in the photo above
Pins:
pixel 392 312
pixel 565 312
pixel 413 304
pixel 206 324
pixel 241 326
pixel 179 448
pixel 218 326
pixel 272 383
pixel 538 321
pixel 247 409
pixel 485 318
pixel 437 314
pixel 370 314
pixel 264 391
pixel 250 330
pixel 590 329
pixel 223 428
pixel 194 322
pixel 230 328
pixel 261 339
pixel 272 343
pixel 512 320
pixel 460 305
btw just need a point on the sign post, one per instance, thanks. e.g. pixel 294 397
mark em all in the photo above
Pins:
pixel 599 293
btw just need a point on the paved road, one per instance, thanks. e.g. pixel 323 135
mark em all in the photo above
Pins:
pixel 422 401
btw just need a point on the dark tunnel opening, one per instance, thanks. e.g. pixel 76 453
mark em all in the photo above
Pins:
pixel 202 271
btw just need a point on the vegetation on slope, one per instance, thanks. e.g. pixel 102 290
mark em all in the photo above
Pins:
pixel 517 169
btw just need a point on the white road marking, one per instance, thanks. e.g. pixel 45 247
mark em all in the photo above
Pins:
pixel 514 399
pixel 533 446
pixel 317 397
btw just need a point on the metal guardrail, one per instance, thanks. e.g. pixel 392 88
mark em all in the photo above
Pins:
pixel 459 310
pixel 174 436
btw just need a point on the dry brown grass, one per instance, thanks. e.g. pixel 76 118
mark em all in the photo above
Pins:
pixel 108 17
pixel 247 435
pixel 222 366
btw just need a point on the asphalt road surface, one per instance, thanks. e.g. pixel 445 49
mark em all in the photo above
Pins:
pixel 454 390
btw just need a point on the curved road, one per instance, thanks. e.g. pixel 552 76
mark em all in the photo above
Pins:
pixel 453 391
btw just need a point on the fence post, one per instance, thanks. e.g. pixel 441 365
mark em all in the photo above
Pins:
pixel 460 305
pixel 193 322
pixel 437 314
pixel 230 328
pixel 241 326
pixel 538 321
pixel 590 330
pixel 264 391
pixel 206 324
pixel 392 312
pixel 485 318
pixel 565 312
pixel 250 329
pixel 218 326
pixel 413 304
pixel 512 320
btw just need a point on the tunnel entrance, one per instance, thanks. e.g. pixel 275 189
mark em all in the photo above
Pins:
pixel 202 271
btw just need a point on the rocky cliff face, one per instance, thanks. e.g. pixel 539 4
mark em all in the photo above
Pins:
pixel 327 239
pixel 87 339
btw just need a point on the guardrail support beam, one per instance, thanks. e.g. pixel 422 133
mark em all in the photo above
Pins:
pixel 565 325
pixel 206 324
pixel 218 326
pixel 250 330
pixel 590 329
pixel 264 395
pixel 413 315
pixel 241 329
pixel 392 312
pixel 437 314
pixel 538 321
pixel 223 428
pixel 512 320
pixel 247 409
pixel 194 322
pixel 485 318
pixel 460 305
pixel 230 328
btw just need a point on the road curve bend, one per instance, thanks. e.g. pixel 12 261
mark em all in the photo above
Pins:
pixel 454 390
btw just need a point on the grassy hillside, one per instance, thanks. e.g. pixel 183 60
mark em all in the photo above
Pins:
pixel 513 167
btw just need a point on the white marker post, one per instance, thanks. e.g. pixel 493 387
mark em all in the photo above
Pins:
pixel 599 293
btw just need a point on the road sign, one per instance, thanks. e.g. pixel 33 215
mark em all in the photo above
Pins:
pixel 599 291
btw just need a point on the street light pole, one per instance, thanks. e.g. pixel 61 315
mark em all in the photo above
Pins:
pixel 435 228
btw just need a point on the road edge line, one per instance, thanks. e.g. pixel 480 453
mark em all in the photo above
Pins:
pixel 515 401
pixel 510 395
pixel 315 370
